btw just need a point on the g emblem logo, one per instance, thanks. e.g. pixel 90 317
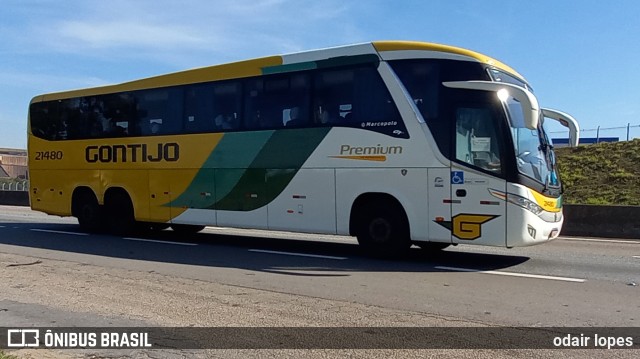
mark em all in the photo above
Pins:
pixel 469 226
pixel 466 226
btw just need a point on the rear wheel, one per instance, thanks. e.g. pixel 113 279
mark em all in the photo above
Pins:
pixel 383 229
pixel 119 211
pixel 88 211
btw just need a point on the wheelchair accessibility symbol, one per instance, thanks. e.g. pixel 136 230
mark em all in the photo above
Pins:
pixel 457 177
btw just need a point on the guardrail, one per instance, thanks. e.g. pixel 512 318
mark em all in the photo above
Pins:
pixel 14 198
pixel 601 221
pixel 14 186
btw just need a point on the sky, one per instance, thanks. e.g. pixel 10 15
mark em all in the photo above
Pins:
pixel 581 56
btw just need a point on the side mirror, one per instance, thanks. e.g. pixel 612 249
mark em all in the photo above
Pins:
pixel 565 120
pixel 528 101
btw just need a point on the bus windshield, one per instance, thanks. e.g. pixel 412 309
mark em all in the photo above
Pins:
pixel 534 151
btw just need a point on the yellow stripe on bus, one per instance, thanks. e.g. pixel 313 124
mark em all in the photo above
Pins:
pixel 211 73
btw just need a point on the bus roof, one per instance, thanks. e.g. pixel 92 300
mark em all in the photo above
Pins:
pixel 279 63
pixel 382 46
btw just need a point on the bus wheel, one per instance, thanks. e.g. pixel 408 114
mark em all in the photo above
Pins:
pixel 384 230
pixel 186 228
pixel 88 211
pixel 119 210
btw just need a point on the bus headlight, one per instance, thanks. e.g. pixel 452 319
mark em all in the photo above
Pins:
pixel 524 203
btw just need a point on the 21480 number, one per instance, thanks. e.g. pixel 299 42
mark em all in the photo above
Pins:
pixel 49 155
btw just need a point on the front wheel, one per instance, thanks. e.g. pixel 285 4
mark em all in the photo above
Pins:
pixel 384 230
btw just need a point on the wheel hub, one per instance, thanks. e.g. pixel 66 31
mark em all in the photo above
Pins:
pixel 380 230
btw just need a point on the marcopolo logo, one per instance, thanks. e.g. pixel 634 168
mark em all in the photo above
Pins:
pixel 138 152
pixel 368 153
pixel 379 124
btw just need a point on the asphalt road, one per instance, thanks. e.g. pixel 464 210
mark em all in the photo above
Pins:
pixel 570 282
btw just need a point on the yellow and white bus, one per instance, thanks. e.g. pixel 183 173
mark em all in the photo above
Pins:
pixel 393 142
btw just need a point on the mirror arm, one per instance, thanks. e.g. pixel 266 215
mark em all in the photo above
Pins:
pixel 565 120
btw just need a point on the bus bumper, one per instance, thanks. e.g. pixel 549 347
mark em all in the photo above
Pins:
pixel 527 229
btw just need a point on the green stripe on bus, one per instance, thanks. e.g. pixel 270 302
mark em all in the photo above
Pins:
pixel 273 168
pixel 289 68
pixel 223 169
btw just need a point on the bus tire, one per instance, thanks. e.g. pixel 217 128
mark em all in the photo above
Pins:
pixel 85 207
pixel 186 228
pixel 119 212
pixel 383 229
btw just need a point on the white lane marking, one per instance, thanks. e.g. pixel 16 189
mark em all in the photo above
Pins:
pixel 60 232
pixel 512 274
pixel 636 257
pixel 163 242
pixel 297 254
pixel 600 240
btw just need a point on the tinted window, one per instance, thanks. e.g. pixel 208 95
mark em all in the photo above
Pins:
pixel 422 80
pixel 274 102
pixel 45 122
pixel 355 97
pixel 212 107
pixel 350 97
pixel 198 104
pixel 436 103
pixel 227 102
pixel 117 114
pixel 158 111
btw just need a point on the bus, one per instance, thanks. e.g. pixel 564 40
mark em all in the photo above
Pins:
pixel 393 142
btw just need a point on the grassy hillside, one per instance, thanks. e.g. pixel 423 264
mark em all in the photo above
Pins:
pixel 605 173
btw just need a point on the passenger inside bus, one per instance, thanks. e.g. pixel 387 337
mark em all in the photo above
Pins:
pixel 294 117
pixel 324 117
pixel 224 122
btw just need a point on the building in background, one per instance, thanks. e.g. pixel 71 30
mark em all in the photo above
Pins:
pixel 13 163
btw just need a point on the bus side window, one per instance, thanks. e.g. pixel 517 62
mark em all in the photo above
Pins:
pixel 421 78
pixel 159 110
pixel 273 102
pixel 198 114
pixel 119 109
pixel 227 97
pixel 353 97
pixel 44 117
pixel 476 141
pixel 333 96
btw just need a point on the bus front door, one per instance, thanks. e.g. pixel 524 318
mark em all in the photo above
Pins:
pixel 477 215
pixel 478 207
